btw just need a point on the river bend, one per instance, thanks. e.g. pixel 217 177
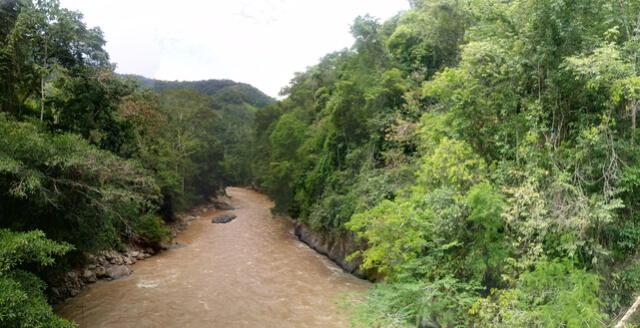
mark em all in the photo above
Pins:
pixel 251 272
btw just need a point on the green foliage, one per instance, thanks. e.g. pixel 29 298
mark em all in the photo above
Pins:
pixel 68 188
pixel 223 91
pixel 441 303
pixel 17 248
pixel 452 164
pixel 484 152
pixel 396 234
pixel 427 37
pixel 152 228
pixel 92 160
pixel 317 151
pixel 22 302
pixel 519 119
pixel 555 294
pixel 195 136
pixel 489 247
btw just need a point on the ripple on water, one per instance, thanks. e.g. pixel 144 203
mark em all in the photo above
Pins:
pixel 148 284
pixel 252 273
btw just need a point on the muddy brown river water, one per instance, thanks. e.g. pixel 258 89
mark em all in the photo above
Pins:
pixel 251 272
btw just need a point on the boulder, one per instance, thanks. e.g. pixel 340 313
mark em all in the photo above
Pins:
pixel 134 253
pixel 102 260
pixel 118 271
pixel 225 218
pixel 110 255
pixel 101 272
pixel 222 205
pixel 89 276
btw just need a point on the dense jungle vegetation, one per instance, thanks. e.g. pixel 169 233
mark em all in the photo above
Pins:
pixel 90 160
pixel 485 152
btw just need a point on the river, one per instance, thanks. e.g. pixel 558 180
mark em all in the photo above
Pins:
pixel 251 272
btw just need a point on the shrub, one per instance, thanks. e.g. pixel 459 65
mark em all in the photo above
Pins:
pixel 152 228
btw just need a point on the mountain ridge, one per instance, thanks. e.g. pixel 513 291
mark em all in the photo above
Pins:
pixel 222 89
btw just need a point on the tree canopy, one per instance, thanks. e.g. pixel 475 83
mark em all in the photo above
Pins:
pixel 91 160
pixel 485 154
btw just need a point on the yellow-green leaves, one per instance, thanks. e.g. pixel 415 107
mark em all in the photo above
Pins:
pixel 20 247
pixel 431 217
pixel 453 164
pixel 396 233
pixel 605 68
pixel 22 302
pixel 555 294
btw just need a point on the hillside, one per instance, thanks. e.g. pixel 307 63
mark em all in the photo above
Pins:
pixel 484 155
pixel 223 90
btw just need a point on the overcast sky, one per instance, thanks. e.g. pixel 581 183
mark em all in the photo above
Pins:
pixel 261 42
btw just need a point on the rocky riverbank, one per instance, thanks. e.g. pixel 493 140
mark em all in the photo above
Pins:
pixel 107 265
pixel 112 264
pixel 337 249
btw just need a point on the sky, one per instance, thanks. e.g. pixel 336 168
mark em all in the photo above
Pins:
pixel 260 42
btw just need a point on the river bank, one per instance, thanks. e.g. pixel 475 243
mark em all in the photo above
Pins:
pixel 112 264
pixel 249 272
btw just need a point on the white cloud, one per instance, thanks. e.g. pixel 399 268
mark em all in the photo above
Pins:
pixel 261 42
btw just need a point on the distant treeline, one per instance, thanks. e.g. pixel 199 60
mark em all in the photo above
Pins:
pixel 223 91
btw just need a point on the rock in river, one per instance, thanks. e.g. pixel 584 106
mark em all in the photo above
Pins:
pixel 118 271
pixel 220 205
pixel 223 218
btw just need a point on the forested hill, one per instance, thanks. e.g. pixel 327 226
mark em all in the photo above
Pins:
pixel 223 90
pixel 235 105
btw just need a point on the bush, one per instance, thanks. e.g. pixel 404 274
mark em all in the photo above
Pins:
pixel 555 294
pixel 22 302
pixel 152 228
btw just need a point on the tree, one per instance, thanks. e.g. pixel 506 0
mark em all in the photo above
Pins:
pixel 22 303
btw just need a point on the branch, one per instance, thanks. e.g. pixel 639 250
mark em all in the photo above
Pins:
pixel 629 313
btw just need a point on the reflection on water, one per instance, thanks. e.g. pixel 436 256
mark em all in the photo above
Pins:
pixel 250 272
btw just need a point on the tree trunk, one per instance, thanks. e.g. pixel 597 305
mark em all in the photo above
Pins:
pixel 629 313
pixel 44 70
pixel 42 97
pixel 634 111
pixel 634 102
